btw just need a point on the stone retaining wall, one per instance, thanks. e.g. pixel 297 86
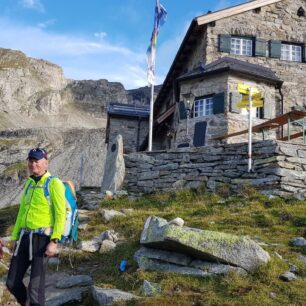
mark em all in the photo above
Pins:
pixel 279 168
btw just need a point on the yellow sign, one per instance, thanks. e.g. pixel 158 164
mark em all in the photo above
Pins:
pixel 256 97
pixel 256 103
pixel 245 89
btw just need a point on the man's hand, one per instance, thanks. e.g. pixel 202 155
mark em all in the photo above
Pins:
pixel 12 246
pixel 51 249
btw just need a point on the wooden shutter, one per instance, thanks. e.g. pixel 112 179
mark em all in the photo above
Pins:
pixel 235 98
pixel 218 103
pixel 182 110
pixel 304 53
pixel 260 47
pixel 225 43
pixel 275 48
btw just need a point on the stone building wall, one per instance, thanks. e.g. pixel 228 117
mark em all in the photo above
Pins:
pixel 277 21
pixel 228 122
pixel 279 168
pixel 133 131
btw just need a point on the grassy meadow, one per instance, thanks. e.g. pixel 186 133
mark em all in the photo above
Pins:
pixel 271 221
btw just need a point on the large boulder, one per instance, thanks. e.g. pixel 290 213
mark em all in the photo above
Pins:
pixel 114 170
pixel 206 245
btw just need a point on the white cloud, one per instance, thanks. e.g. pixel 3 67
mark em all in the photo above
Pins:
pixel 100 35
pixel 33 4
pixel 80 58
pixel 46 23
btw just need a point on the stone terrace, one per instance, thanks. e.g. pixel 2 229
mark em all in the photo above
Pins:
pixel 279 168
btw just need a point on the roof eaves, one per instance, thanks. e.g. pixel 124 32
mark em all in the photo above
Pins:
pixel 234 10
pixel 272 80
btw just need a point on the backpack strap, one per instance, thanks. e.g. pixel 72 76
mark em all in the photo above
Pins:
pixel 47 188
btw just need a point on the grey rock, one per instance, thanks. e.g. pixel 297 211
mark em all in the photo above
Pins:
pixel 206 245
pixel 293 268
pixel 106 297
pixel 148 264
pixel 84 215
pixel 272 295
pixel 288 276
pixel 179 184
pixel 109 235
pixel 1 293
pixel 107 246
pixel 165 256
pixel 90 245
pixel 302 258
pixel 61 297
pixel 109 214
pixel 127 211
pixel 114 171
pixel 216 268
pixel 73 281
pixel 121 193
pixel 82 226
pixel 299 241
pixel 54 261
pixel 150 289
pixel 177 221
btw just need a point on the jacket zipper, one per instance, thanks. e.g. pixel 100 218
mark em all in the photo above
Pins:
pixel 26 219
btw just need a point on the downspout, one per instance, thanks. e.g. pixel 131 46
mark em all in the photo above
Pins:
pixel 138 135
pixel 282 108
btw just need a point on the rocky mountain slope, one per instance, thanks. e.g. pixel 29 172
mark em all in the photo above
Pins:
pixel 40 107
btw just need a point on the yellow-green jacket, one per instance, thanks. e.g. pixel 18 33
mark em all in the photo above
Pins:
pixel 36 212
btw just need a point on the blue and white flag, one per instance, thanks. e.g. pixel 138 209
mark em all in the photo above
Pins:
pixel 159 20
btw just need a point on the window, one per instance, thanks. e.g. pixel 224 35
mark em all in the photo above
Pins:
pixel 260 112
pixel 291 53
pixel 203 107
pixel 241 46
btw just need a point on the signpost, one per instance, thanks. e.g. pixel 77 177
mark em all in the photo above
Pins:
pixel 251 98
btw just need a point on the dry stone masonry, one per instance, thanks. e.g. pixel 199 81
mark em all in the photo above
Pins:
pixel 279 168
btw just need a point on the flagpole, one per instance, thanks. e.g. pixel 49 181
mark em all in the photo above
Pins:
pixel 250 132
pixel 151 118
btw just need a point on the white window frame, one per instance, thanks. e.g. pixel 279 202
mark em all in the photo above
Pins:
pixel 291 53
pixel 242 46
pixel 203 107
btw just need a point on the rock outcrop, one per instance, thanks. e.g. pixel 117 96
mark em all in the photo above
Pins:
pixel 40 107
pixel 208 246
pixel 75 154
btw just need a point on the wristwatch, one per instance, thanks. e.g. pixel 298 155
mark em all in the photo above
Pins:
pixel 55 240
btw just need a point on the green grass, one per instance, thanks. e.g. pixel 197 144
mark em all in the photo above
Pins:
pixel 273 221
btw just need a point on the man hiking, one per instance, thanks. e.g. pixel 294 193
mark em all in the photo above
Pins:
pixel 39 225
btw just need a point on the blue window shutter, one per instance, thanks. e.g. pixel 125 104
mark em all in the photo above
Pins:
pixel 225 43
pixel 199 134
pixel 304 53
pixel 218 103
pixel 260 47
pixel 275 48
pixel 183 111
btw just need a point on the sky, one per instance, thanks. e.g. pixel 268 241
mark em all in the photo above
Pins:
pixel 100 39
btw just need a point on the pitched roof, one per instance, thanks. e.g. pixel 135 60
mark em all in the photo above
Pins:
pixel 128 110
pixel 231 64
pixel 190 38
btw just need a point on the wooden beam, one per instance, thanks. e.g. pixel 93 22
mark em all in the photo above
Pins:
pixel 238 9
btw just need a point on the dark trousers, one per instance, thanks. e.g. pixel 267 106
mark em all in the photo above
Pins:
pixel 35 294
